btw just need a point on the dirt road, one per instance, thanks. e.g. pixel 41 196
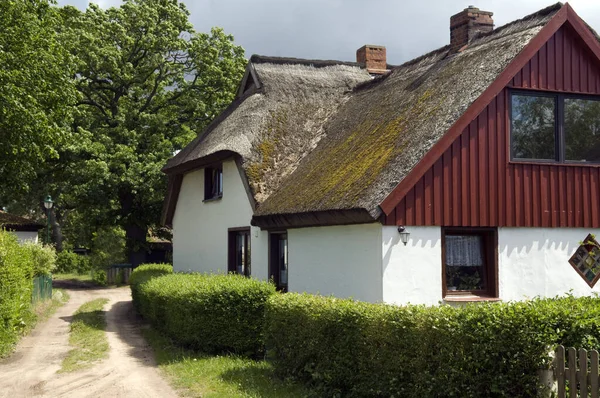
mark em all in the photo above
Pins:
pixel 130 370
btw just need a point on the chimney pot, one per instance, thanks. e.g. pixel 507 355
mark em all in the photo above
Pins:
pixel 374 58
pixel 467 24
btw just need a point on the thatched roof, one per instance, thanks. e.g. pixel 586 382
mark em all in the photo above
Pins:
pixel 17 223
pixel 273 128
pixel 323 136
pixel 388 125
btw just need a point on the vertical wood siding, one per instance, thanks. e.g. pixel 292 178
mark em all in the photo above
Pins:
pixel 474 184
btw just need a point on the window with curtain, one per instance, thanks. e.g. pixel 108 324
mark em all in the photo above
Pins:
pixel 468 263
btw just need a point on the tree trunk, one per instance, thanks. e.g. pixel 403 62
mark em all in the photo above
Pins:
pixel 136 244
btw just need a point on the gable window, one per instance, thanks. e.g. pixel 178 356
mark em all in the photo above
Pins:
pixel 586 261
pixel 213 182
pixel 555 127
pixel 239 251
pixel 469 262
pixel 278 260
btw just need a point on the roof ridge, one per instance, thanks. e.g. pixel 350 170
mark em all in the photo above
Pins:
pixel 539 13
pixel 317 63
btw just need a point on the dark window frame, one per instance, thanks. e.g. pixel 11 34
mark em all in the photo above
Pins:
pixel 209 188
pixel 490 236
pixel 232 234
pixel 274 271
pixel 559 126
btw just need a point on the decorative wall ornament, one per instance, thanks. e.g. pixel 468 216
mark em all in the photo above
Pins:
pixel 586 260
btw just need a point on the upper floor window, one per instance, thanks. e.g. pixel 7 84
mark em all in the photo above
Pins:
pixel 555 127
pixel 213 182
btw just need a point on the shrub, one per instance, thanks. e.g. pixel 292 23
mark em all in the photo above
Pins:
pixel 144 273
pixel 211 313
pixel 99 276
pixel 68 262
pixel 44 258
pixel 16 284
pixel 355 349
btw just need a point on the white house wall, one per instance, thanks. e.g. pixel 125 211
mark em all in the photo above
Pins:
pixel 531 262
pixel 200 228
pixel 535 262
pixel 343 261
pixel 27 236
pixel 412 273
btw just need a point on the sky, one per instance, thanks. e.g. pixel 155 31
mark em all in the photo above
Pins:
pixel 334 29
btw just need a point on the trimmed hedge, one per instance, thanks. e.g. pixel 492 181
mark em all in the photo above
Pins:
pixel 144 273
pixel 16 285
pixel 210 313
pixel 355 349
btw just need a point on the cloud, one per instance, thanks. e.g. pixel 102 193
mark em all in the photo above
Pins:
pixel 334 29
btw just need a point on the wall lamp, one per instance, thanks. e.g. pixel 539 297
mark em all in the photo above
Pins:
pixel 403 234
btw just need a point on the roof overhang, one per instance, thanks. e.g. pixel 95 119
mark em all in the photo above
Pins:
pixel 313 219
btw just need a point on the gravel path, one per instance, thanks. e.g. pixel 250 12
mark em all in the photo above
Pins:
pixel 130 370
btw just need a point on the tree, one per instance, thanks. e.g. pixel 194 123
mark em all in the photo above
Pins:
pixel 36 90
pixel 148 84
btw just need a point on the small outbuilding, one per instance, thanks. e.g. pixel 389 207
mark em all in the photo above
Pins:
pixel 25 229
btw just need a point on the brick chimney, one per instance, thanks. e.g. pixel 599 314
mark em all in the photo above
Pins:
pixel 467 24
pixel 374 58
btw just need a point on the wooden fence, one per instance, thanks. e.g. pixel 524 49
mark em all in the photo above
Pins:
pixel 576 373
pixel 118 274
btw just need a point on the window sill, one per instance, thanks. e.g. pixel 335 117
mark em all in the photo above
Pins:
pixel 548 163
pixel 469 298
pixel 212 199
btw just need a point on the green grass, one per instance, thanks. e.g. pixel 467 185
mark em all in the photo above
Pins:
pixel 73 277
pixel 87 337
pixel 225 376
pixel 45 309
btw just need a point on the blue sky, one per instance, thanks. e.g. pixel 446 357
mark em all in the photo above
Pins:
pixel 334 29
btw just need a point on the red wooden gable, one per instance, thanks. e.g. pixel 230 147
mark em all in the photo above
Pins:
pixel 471 182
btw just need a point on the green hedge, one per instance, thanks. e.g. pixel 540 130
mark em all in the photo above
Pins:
pixel 211 313
pixel 44 258
pixel 16 284
pixel 354 349
pixel 144 273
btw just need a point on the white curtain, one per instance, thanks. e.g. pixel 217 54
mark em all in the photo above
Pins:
pixel 464 251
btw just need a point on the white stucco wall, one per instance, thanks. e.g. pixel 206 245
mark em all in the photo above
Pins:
pixel 344 261
pixel 535 262
pixel 412 273
pixel 26 236
pixel 200 228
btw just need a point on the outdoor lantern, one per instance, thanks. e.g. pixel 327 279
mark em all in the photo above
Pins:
pixel 403 235
pixel 48 202
pixel 48 205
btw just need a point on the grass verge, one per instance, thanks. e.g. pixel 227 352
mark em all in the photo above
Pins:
pixel 87 337
pixel 45 309
pixel 73 277
pixel 225 376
